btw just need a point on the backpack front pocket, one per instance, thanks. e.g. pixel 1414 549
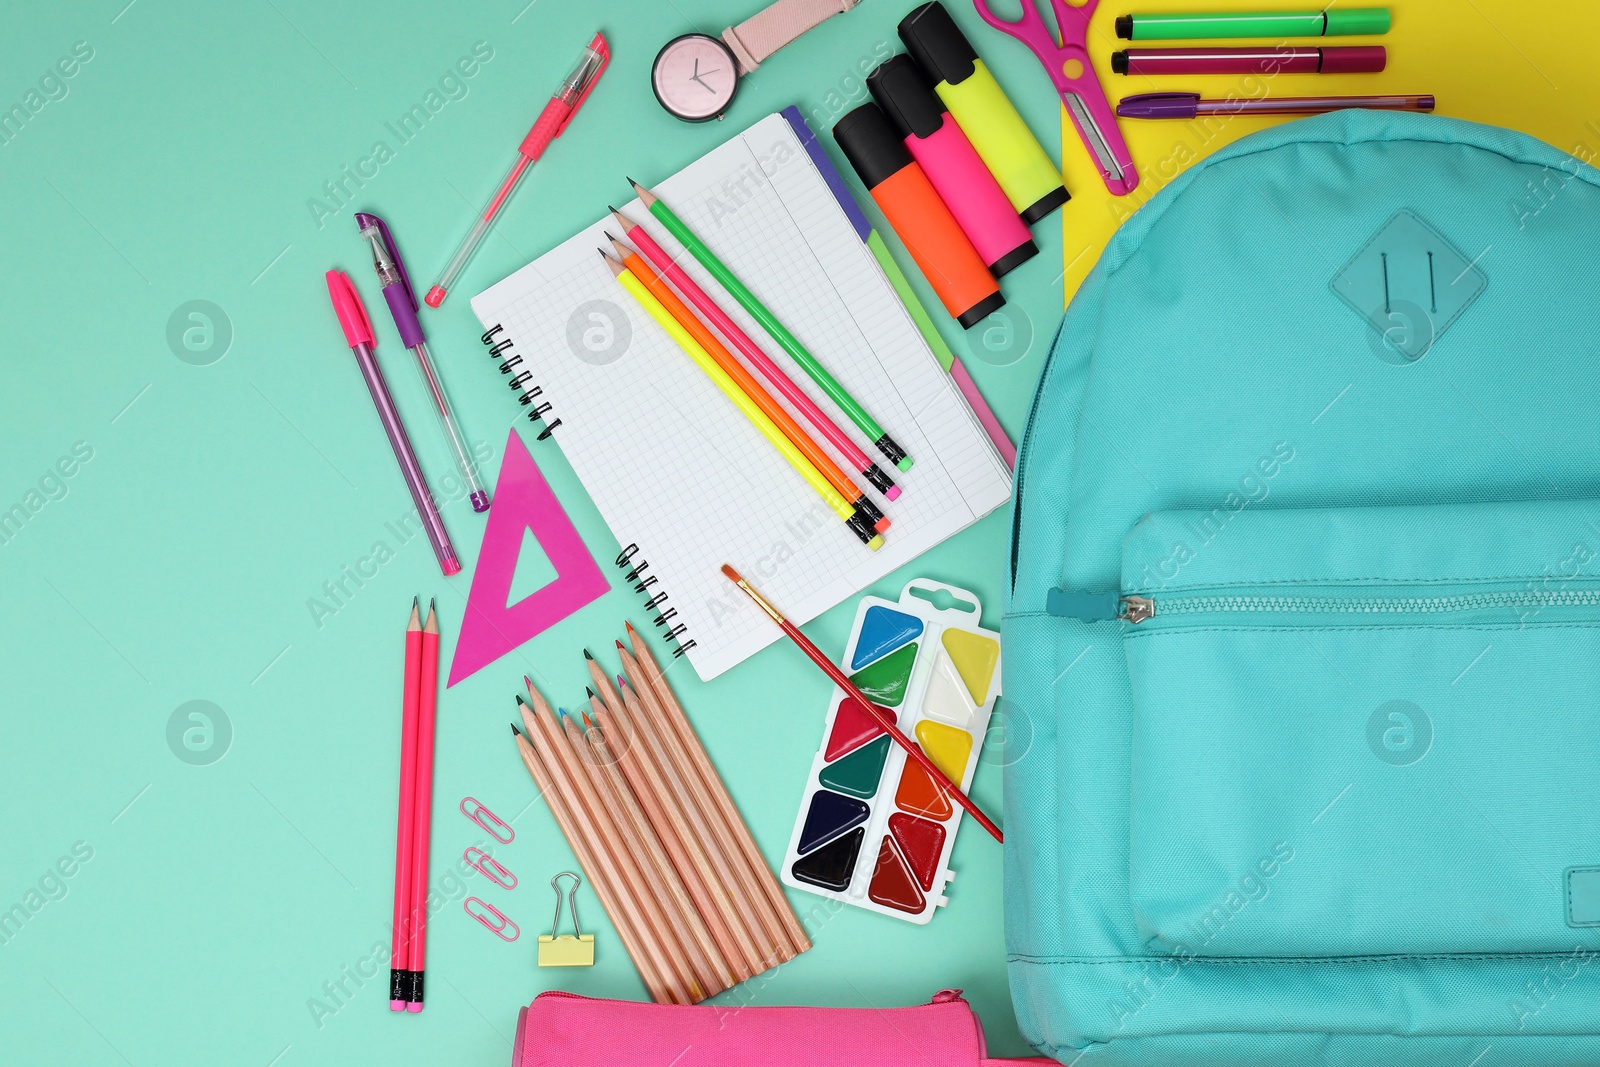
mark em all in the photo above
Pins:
pixel 1366 731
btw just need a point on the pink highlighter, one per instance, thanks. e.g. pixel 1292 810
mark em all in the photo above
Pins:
pixel 953 166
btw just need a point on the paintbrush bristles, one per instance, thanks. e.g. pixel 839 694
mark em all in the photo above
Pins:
pixel 749 590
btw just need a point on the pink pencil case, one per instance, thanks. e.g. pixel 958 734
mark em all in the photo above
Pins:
pixel 565 1030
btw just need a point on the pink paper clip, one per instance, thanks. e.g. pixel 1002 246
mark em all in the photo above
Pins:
pixel 490 916
pixel 490 868
pixel 487 820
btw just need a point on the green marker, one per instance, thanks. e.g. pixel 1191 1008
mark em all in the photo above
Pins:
pixel 1193 26
pixel 786 340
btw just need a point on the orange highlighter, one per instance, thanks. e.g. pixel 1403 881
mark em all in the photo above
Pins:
pixel 921 220
pixel 552 121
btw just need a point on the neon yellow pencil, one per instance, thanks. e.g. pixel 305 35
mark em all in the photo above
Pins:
pixel 696 352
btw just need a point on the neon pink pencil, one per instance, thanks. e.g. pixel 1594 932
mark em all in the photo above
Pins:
pixel 400 956
pixel 422 830
pixel 769 370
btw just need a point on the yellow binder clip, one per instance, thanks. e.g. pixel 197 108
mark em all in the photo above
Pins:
pixel 566 950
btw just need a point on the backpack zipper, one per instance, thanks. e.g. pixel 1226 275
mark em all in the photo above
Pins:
pixel 1134 608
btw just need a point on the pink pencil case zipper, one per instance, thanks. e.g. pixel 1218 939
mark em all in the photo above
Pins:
pixel 566 1030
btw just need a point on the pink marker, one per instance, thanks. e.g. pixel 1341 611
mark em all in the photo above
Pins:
pixel 400 975
pixel 953 166
pixel 551 123
pixel 780 381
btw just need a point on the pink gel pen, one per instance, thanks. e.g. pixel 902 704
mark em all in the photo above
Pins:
pixel 552 121
pixel 358 335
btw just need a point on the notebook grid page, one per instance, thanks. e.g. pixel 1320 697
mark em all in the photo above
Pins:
pixel 671 463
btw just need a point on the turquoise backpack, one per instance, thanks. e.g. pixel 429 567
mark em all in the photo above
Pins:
pixel 1303 643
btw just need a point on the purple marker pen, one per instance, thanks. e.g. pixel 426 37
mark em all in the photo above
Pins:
pixel 358 335
pixel 1235 59
pixel 402 300
pixel 1189 105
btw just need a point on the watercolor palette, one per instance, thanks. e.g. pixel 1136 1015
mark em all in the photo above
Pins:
pixel 874 829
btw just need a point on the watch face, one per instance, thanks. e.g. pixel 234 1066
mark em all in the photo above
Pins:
pixel 695 77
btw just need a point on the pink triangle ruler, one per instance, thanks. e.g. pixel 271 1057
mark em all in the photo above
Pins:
pixel 523 500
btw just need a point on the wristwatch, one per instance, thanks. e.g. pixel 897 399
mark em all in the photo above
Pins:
pixel 695 76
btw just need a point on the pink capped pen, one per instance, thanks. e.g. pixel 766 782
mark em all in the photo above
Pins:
pixel 358 335
pixel 552 122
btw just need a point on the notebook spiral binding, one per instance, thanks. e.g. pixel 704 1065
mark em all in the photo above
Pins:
pixel 633 570
pixel 528 395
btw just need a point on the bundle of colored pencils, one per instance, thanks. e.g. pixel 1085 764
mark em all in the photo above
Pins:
pixel 418 701
pixel 655 294
pixel 657 834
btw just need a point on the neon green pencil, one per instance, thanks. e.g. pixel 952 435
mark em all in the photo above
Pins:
pixel 786 340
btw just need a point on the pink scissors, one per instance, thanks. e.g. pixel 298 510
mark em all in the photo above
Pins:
pixel 1074 78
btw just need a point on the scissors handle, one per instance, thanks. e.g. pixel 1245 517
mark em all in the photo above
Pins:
pixel 1073 76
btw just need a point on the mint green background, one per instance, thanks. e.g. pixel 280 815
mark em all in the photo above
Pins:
pixel 220 498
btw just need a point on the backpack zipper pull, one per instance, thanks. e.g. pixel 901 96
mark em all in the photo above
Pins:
pixel 1136 609
pixel 1098 607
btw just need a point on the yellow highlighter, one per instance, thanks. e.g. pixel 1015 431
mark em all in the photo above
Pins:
pixel 693 349
pixel 983 111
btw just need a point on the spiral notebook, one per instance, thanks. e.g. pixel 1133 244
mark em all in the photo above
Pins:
pixel 681 478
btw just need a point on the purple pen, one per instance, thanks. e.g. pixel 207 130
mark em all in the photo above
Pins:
pixel 1189 105
pixel 402 300
pixel 358 334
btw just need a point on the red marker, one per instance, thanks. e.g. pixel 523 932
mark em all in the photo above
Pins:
pixel 552 122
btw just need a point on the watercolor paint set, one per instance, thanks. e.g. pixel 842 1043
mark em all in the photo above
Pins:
pixel 874 830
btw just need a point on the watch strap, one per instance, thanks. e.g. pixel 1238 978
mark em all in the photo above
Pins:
pixel 762 34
